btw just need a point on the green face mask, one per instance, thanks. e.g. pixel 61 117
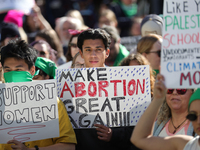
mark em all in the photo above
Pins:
pixel 17 76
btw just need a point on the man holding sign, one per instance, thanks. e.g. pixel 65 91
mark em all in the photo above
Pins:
pixel 94 48
pixel 18 60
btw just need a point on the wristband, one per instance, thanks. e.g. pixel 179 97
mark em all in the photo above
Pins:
pixel 36 147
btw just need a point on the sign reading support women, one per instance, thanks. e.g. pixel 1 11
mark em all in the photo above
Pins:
pixel 28 110
pixel 180 59
pixel 111 96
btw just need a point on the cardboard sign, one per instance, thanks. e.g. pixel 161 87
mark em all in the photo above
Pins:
pixel 22 5
pixel 130 42
pixel 111 96
pixel 28 110
pixel 180 58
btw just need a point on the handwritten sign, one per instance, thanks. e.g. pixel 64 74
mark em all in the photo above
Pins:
pixel 180 60
pixel 130 42
pixel 28 110
pixel 23 5
pixel 112 96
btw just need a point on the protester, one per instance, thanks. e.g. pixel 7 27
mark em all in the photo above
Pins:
pixel 18 59
pixel 72 46
pixel 138 59
pixel 78 61
pixel 117 50
pixel 94 49
pixel 171 119
pixel 142 134
pixel 35 22
pixel 150 47
pixel 43 48
pixel 51 37
pixel 16 17
pixel 45 69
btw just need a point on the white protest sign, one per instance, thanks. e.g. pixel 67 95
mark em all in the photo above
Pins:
pixel 130 42
pixel 65 65
pixel 112 96
pixel 28 111
pixel 22 5
pixel 180 57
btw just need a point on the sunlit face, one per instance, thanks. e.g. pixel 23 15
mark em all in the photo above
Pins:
pixel 195 108
pixel 13 64
pixel 42 50
pixel 134 63
pixel 178 102
pixel 153 58
pixel 79 62
pixel 94 53
pixel 74 48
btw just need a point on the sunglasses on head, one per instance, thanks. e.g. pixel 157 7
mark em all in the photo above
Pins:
pixel 192 116
pixel 179 91
pixel 158 52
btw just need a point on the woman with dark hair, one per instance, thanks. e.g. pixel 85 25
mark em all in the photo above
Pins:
pixel 72 49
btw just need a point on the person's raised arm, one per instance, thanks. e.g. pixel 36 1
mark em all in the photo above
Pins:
pixel 44 24
pixel 142 136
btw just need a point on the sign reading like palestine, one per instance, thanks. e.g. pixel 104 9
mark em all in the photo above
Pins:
pixel 111 96
pixel 28 110
pixel 180 58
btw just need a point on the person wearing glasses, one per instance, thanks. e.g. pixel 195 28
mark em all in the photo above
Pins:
pixel 72 49
pixel 150 47
pixel 42 48
pixel 171 119
pixel 78 61
pixel 142 135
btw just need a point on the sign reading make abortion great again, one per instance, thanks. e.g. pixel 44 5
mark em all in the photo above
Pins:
pixel 112 96
pixel 28 110
pixel 180 59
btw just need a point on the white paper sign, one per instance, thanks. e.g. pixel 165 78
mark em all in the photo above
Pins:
pixel 28 111
pixel 23 5
pixel 112 96
pixel 180 58
pixel 130 42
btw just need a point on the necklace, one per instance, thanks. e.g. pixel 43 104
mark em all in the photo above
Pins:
pixel 177 126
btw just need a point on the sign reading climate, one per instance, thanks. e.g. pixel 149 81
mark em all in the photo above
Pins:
pixel 111 96
pixel 180 59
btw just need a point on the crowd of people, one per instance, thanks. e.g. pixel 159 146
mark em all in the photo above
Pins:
pixel 34 49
